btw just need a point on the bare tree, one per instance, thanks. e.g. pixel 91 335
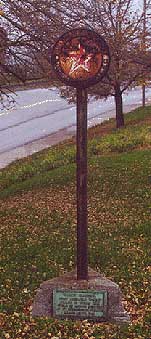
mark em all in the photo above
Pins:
pixel 122 26
pixel 34 25
pixel 31 28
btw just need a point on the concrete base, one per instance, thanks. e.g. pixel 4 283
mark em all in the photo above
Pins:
pixel 43 302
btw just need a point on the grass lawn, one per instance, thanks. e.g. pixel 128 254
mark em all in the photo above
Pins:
pixel 38 229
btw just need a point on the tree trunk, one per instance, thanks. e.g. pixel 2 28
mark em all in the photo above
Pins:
pixel 143 96
pixel 119 107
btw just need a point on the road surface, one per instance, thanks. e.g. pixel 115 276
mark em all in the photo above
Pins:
pixel 40 118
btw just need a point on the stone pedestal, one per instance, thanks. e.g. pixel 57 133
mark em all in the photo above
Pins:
pixel 43 302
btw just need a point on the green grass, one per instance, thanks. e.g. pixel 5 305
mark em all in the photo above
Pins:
pixel 38 230
pixel 134 136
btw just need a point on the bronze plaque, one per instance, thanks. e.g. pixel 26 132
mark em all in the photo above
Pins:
pixel 80 304
pixel 80 57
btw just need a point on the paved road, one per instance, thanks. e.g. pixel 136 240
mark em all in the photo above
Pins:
pixel 40 118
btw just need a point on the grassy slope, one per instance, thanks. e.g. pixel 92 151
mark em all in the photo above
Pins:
pixel 38 228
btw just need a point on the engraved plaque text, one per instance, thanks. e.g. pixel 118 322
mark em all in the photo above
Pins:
pixel 80 304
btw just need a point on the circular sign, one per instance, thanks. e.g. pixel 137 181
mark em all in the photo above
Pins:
pixel 80 57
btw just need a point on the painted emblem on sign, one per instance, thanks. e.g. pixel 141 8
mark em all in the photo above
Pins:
pixel 80 57
pixel 81 60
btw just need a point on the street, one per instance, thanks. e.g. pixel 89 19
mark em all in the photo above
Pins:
pixel 40 118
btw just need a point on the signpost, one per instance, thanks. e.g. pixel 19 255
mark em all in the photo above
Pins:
pixel 81 59
pixel 82 225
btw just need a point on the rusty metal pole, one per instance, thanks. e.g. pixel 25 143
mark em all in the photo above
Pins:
pixel 82 225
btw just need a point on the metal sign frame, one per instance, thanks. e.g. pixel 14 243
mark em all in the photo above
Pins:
pixel 91 39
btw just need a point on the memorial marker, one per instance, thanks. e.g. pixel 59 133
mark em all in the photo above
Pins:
pixel 81 59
